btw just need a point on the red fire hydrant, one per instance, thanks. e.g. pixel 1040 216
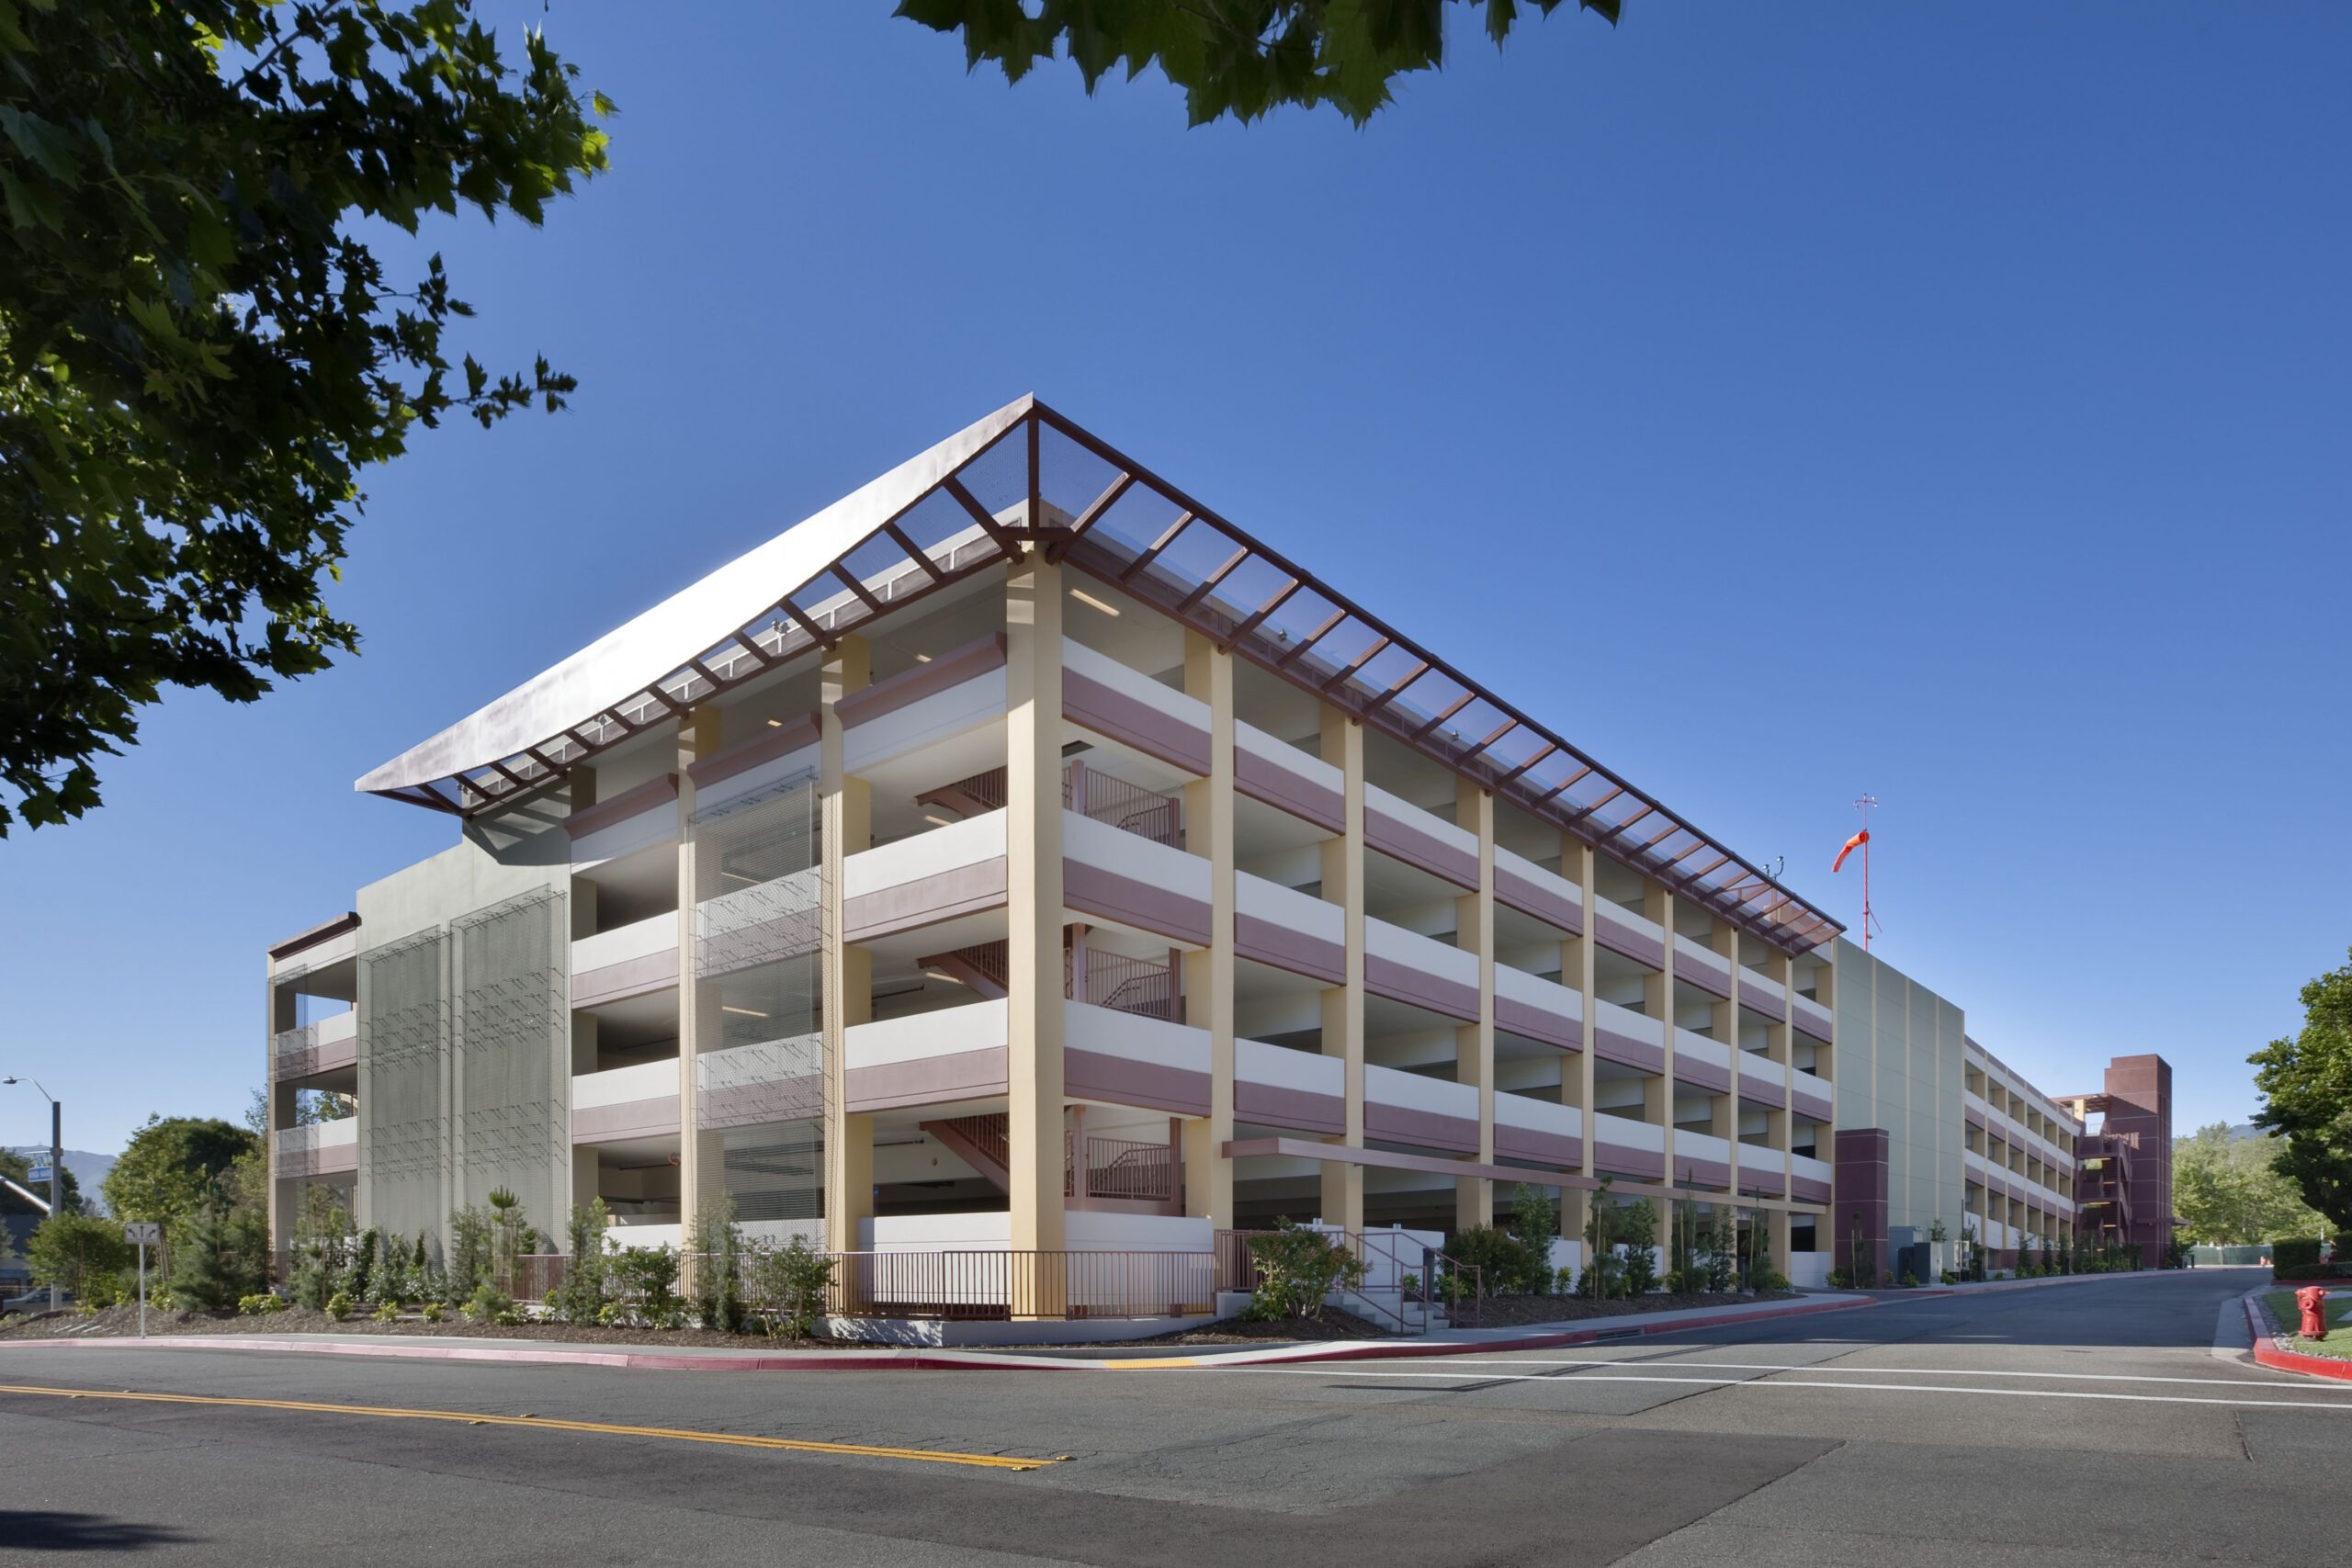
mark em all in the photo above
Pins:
pixel 2312 1298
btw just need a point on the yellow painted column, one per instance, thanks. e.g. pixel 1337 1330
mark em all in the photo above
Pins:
pixel 1033 919
pixel 1208 975
pixel 1659 905
pixel 1577 970
pixel 698 1023
pixel 1344 1004
pixel 1474 929
pixel 845 804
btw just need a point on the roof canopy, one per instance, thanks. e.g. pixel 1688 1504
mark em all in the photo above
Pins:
pixel 1026 475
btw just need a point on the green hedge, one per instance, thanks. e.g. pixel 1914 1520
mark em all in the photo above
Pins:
pixel 2298 1253
pixel 2313 1271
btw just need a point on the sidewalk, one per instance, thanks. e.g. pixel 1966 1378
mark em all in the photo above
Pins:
pixel 883 1358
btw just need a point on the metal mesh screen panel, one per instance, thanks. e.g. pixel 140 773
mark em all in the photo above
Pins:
pixel 760 1073
pixel 403 1088
pixel 511 1026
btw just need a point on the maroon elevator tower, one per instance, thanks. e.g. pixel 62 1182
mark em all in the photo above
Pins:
pixel 2136 1134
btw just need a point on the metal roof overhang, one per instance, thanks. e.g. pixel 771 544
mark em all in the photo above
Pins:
pixel 1025 474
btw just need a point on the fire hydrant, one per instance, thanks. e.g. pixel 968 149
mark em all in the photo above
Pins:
pixel 2312 1299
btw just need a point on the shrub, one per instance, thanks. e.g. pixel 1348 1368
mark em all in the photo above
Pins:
pixel 433 1311
pixel 645 1281
pixel 388 1312
pixel 1839 1280
pixel 506 1317
pixel 260 1305
pixel 1506 1264
pixel 487 1303
pixel 792 1279
pixel 1772 1280
pixel 338 1306
pixel 1909 1281
pixel 2315 1271
pixel 1296 1268
pixel 1566 1283
pixel 1410 1284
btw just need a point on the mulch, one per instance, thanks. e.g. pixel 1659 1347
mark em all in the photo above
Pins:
pixel 118 1321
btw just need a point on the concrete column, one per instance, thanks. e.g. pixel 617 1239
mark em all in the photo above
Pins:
pixel 1473 1049
pixel 1033 912
pixel 699 1025
pixel 1208 975
pixel 845 807
pixel 1344 1004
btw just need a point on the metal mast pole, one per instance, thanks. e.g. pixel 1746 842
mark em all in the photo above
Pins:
pixel 56 1173
pixel 1863 805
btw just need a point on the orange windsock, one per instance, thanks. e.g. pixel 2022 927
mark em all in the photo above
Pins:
pixel 1860 838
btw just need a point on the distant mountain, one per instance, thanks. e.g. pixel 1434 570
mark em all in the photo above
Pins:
pixel 89 1168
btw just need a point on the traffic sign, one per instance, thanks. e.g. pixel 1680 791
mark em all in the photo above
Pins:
pixel 142 1233
pixel 38 1174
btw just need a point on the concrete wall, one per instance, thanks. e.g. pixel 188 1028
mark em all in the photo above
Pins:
pixel 1900 1067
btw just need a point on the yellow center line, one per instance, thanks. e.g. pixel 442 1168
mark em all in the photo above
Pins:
pixel 548 1423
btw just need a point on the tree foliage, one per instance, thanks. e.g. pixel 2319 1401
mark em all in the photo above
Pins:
pixel 200 353
pixel 2306 1086
pixel 72 1250
pixel 2228 1192
pixel 1242 58
pixel 19 1169
pixel 174 1167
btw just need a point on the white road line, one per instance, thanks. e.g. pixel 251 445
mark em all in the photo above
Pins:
pixel 1886 1371
pixel 1762 1382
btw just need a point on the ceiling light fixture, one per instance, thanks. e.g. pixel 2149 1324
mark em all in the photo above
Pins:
pixel 943 821
pixel 1085 598
pixel 745 1013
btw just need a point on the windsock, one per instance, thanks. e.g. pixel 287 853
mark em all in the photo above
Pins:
pixel 1851 844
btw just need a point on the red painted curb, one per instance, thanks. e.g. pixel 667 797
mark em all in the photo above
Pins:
pixel 2266 1352
pixel 1388 1350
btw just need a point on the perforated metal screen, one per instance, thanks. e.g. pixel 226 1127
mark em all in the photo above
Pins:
pixel 760 1072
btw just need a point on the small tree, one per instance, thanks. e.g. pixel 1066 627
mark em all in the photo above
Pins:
pixel 1636 1226
pixel 1536 1221
pixel 214 1265
pixel 581 1295
pixel 646 1279
pixel 1296 1268
pixel 467 1265
pixel 74 1251
pixel 510 1237
pixel 717 1245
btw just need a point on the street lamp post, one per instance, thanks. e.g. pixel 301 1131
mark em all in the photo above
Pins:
pixel 56 1162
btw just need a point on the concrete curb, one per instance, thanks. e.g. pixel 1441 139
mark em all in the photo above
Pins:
pixel 2268 1352
pixel 881 1357
pixel 1995 1287
pixel 1546 1340
pixel 908 1358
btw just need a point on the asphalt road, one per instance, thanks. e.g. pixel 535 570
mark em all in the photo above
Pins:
pixel 2096 1425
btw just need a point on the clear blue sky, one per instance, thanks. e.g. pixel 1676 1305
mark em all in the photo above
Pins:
pixel 1945 402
